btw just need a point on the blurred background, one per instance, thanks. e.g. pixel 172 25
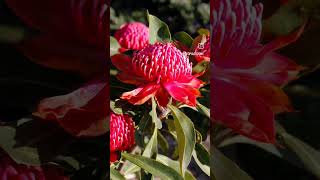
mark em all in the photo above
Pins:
pixel 23 83
pixel 180 15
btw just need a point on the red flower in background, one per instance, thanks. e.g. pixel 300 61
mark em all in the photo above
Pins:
pixel 10 170
pixel 246 75
pixel 159 70
pixel 121 134
pixel 82 112
pixel 132 36
pixel 73 37
pixel 73 33
pixel 201 47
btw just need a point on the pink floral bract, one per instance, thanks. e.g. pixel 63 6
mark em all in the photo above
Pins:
pixel 134 36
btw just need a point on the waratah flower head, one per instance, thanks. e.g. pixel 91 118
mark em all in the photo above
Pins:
pixel 246 74
pixel 121 132
pixel 160 70
pixel 236 24
pixel 10 170
pixel 161 62
pixel 133 36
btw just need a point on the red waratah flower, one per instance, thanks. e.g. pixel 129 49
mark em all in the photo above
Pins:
pixel 246 75
pixel 132 36
pixel 202 48
pixel 121 132
pixel 159 70
pixel 10 170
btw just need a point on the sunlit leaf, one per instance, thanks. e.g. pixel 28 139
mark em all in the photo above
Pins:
pixel 152 166
pixel 158 30
pixel 116 175
pixel 186 137
pixel 114 46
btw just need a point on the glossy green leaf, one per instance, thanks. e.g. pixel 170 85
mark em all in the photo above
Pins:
pixel 183 38
pixel 158 30
pixel 203 154
pixel 202 158
pixel 153 114
pixel 116 175
pixel 175 165
pixel 152 146
pixel 114 46
pixel 204 110
pixel 186 136
pixel 200 67
pixel 222 168
pixel 154 167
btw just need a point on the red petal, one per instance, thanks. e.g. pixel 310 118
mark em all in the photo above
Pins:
pixel 271 95
pixel 141 94
pixel 113 157
pixel 122 62
pixel 57 54
pixel 81 113
pixel 243 112
pixel 183 93
pixel 162 97
pixel 192 82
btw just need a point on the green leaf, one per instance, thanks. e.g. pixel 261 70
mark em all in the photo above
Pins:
pixel 116 175
pixel 200 67
pixel 153 114
pixel 152 146
pixel 174 164
pixel 202 158
pixel 203 154
pixel 204 110
pixel 10 34
pixel 308 155
pixel 183 38
pixel 27 143
pixel 152 166
pixel 186 136
pixel 163 143
pixel 222 168
pixel 158 30
pixel 203 31
pixel 271 148
pixel 114 46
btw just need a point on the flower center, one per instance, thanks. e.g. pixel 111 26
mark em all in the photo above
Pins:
pixel 161 62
